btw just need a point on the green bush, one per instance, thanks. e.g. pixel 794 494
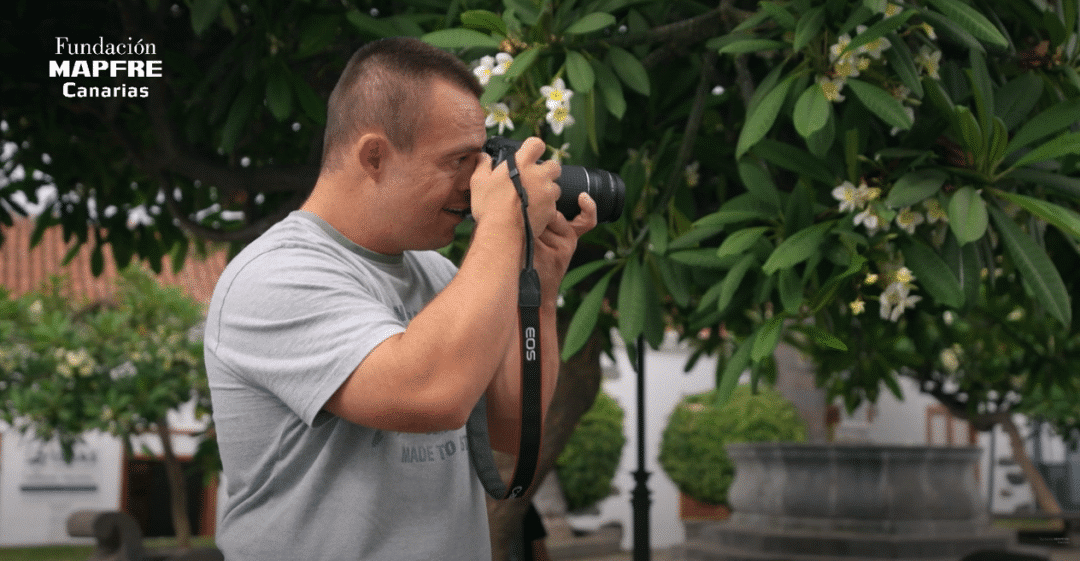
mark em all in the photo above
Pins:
pixel 692 446
pixel 588 463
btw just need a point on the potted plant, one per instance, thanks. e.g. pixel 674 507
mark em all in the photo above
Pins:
pixel 587 465
pixel 692 446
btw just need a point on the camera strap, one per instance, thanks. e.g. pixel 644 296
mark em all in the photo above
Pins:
pixel 531 380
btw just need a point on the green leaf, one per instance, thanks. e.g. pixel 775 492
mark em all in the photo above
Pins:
pixel 579 274
pixel 762 117
pixel 579 72
pixel 729 371
pixel 823 338
pixel 484 20
pixel 589 23
pixel 811 111
pixel 203 14
pixel 585 318
pixel 752 46
pixel 790 287
pixel 791 157
pixel 1062 218
pixel 808 27
pixel 967 215
pixel 797 248
pixel 610 89
pixel 629 69
pixel 527 11
pixel 933 273
pixel 310 103
pixel 279 94
pixel 1036 268
pixel 915 186
pixel 898 55
pixel 1015 100
pixel 1069 186
pixel 522 62
pixel 740 241
pixel 631 303
pixel 970 132
pixel 881 103
pixel 767 338
pixel 1065 144
pixel 758 182
pixel 239 114
pixel 495 90
pixel 730 285
pixel 982 89
pixel 971 21
pixel 459 38
pixel 879 30
pixel 704 257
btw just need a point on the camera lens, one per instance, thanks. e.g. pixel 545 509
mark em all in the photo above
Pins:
pixel 606 188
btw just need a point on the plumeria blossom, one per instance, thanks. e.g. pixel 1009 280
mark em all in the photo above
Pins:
pixel 928 30
pixel 499 114
pixel 857 306
pixel 561 154
pixel 876 47
pixel 908 219
pixel 929 59
pixel 895 299
pixel 692 173
pixel 836 51
pixel 934 211
pixel 869 219
pixel 846 194
pixel 831 87
pixel 559 117
pixel 492 66
pixel 556 94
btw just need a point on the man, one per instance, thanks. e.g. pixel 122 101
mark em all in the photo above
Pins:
pixel 345 356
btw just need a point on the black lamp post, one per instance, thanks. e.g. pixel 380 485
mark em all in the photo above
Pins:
pixel 640 499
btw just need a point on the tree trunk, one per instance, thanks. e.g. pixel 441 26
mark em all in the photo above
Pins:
pixel 1044 498
pixel 579 382
pixel 177 487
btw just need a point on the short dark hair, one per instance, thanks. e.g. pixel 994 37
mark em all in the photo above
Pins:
pixel 384 87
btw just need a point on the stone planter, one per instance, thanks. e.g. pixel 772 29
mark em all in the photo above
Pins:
pixel 693 509
pixel 846 502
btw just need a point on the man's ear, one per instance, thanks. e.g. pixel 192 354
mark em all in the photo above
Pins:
pixel 371 154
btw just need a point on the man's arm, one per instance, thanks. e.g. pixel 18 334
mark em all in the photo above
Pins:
pixel 429 377
pixel 553 250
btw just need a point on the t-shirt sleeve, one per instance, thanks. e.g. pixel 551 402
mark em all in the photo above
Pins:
pixel 298 333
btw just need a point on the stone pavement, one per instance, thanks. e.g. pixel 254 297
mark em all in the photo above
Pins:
pixel 604 545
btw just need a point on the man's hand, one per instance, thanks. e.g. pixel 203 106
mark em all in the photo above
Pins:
pixel 493 194
pixel 556 244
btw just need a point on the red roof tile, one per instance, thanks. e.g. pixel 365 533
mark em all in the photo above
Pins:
pixel 23 269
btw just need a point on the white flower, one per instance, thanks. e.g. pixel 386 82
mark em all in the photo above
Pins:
pixel 910 112
pixel 499 114
pixel 556 94
pixel 934 211
pixel 559 117
pixel 693 176
pixel 865 194
pixel 831 88
pixel 875 47
pixel 892 10
pixel 845 193
pixel 895 299
pixel 492 66
pixel 561 154
pixel 836 51
pixel 908 219
pixel 502 64
pixel 858 306
pixel 869 219
pixel 928 30
pixel 949 360
pixel 929 59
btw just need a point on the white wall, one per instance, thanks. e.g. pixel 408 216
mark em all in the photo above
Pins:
pixel 38 490
pixel 666 385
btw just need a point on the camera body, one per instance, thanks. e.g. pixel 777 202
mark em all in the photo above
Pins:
pixel 606 188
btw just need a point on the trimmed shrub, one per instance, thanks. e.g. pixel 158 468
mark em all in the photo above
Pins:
pixel 692 447
pixel 588 463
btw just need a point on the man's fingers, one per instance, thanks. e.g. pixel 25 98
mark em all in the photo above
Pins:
pixel 586 219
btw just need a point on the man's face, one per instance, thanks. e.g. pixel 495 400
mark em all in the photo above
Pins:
pixel 428 189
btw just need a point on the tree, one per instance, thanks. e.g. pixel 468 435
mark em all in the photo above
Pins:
pixel 832 172
pixel 67 367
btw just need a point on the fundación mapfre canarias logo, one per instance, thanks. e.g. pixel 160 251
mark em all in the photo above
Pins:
pixel 104 70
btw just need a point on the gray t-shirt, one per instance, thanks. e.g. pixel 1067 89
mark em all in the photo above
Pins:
pixel 292 316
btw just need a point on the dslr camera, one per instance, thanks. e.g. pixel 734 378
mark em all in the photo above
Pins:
pixel 606 188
